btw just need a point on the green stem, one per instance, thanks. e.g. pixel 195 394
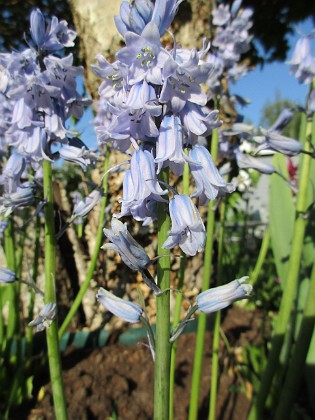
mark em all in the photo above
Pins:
pixel 194 394
pixel 9 248
pixel 178 304
pixel 90 272
pixel 289 294
pixel 50 296
pixel 217 321
pixel 29 331
pixel 295 370
pixel 162 343
pixel 261 257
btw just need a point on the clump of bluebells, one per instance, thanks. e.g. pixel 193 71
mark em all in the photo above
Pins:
pixel 153 109
pixel 38 95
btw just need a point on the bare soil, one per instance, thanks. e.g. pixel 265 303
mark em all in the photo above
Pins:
pixel 119 379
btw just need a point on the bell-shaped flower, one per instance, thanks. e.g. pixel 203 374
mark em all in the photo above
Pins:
pixel 302 63
pixel 187 230
pixel 22 197
pixel 140 184
pixel 218 298
pixel 250 162
pixel 7 275
pixel 169 148
pixel 221 15
pixel 12 172
pixel 283 120
pixel 134 16
pixel 164 13
pixel 76 151
pixel 45 317
pixel 182 80
pixel 38 29
pixel 209 182
pixel 276 141
pixel 127 311
pixel 144 55
pixel 195 120
pixel 88 203
pixel 132 254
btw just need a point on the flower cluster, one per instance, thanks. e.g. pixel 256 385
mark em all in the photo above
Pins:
pixel 153 107
pixel 40 89
pixel 303 65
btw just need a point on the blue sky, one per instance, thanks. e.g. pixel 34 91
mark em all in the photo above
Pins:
pixel 260 86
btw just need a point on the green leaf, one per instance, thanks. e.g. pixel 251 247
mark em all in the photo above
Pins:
pixel 282 215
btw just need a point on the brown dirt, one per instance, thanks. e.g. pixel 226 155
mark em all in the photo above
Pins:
pixel 120 379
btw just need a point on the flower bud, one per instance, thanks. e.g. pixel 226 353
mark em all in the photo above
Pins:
pixel 124 309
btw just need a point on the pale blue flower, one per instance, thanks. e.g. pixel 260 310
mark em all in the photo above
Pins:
pixel 209 182
pixel 276 141
pixel 127 311
pixel 164 13
pixel 283 120
pixel 45 317
pixel 87 204
pixel 218 298
pixel 170 148
pixel 132 254
pixel 12 171
pixel 250 162
pixel 144 55
pixel 76 151
pixel 7 275
pixel 302 63
pixel 134 16
pixel 187 229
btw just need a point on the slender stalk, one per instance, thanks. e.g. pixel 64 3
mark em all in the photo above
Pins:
pixel 9 248
pixel 261 257
pixel 50 296
pixel 77 302
pixel 289 293
pixel 194 393
pixel 217 321
pixel 295 370
pixel 29 331
pixel 178 304
pixel 162 345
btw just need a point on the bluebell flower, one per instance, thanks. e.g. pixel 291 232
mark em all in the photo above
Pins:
pixel 127 311
pixel 12 171
pixel 76 151
pixel 218 298
pixel 250 162
pixel 170 148
pixel 187 229
pixel 114 75
pixel 87 204
pixel 209 182
pixel 164 13
pixel 276 141
pixel 144 55
pixel 38 27
pixel 283 120
pixel 134 16
pixel 198 122
pixel 132 254
pixel 140 187
pixel 45 317
pixel 302 63
pixel 22 197
pixel 182 79
pixel 7 275
pixel 221 15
